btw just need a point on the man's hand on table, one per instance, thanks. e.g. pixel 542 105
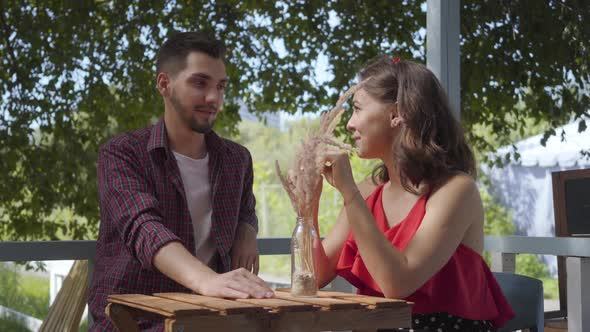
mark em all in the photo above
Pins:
pixel 238 284
pixel 244 251
pixel 176 262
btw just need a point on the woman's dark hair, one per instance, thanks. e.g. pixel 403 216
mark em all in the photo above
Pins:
pixel 173 53
pixel 431 145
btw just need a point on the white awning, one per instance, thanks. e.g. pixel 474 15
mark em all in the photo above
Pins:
pixel 556 152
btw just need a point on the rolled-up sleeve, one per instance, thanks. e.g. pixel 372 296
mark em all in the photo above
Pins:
pixel 248 204
pixel 127 201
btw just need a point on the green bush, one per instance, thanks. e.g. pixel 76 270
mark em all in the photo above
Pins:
pixel 27 294
pixel 498 221
pixel 529 265
pixel 12 325
pixel 9 290
pixel 550 288
pixel 84 326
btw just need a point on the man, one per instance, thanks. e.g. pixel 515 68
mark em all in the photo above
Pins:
pixel 176 201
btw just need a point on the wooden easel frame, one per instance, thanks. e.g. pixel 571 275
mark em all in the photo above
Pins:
pixel 559 180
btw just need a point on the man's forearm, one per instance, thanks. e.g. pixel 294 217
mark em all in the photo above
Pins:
pixel 248 203
pixel 250 226
pixel 249 219
pixel 178 264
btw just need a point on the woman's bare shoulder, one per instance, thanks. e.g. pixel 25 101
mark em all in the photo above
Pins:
pixel 457 181
pixel 366 187
pixel 459 186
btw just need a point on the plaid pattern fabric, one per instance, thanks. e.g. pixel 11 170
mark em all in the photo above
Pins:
pixel 143 207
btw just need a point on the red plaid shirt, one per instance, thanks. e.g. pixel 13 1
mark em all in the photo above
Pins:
pixel 143 207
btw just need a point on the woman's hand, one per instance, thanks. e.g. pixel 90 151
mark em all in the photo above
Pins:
pixel 317 194
pixel 338 173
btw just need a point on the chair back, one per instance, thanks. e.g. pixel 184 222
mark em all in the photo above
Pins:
pixel 525 295
pixel 66 311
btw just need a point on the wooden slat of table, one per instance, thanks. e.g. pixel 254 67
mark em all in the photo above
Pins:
pixel 320 293
pixel 286 316
pixel 280 304
pixel 332 294
pixel 228 306
pixel 330 303
pixel 161 306
pixel 378 302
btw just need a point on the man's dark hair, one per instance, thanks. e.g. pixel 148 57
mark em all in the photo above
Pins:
pixel 173 53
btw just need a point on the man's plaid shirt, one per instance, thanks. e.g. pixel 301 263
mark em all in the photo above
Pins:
pixel 143 207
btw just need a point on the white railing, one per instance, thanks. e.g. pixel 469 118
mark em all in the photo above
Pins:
pixel 577 252
pixel 503 249
pixel 29 322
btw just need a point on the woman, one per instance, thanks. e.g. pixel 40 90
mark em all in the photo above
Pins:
pixel 416 231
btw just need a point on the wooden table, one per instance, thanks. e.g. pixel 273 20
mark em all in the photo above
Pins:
pixel 330 311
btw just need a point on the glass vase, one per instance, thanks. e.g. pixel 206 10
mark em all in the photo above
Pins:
pixel 303 244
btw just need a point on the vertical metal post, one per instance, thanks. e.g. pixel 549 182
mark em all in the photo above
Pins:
pixel 503 262
pixel 578 294
pixel 443 55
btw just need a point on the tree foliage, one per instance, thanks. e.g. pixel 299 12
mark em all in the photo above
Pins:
pixel 73 74
pixel 522 62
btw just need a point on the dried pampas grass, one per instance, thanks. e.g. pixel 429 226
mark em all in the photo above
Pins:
pixel 302 179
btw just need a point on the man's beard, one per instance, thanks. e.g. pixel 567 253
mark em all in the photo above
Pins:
pixel 186 116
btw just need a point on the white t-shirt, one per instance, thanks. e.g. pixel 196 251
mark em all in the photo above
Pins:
pixel 195 179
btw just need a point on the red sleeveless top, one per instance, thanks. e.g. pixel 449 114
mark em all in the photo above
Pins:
pixel 464 287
